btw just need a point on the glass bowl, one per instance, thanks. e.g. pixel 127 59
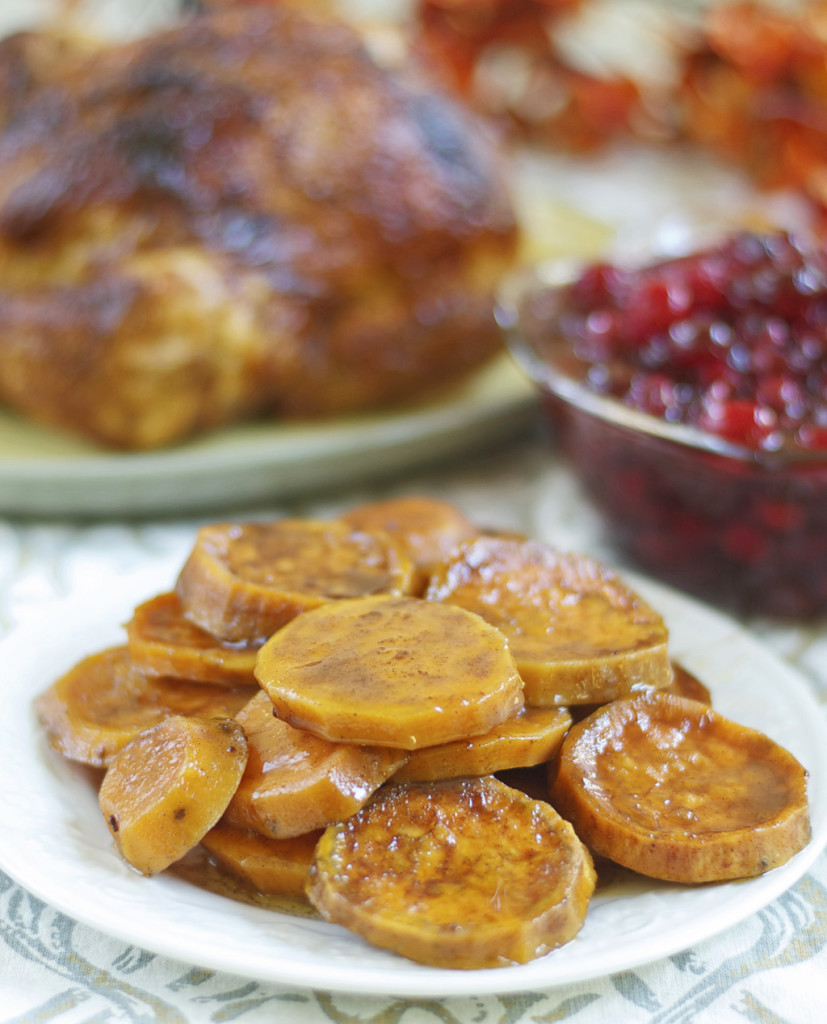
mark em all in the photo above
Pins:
pixel 744 529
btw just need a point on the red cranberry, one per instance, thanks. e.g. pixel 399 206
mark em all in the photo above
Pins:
pixel 744 542
pixel 780 515
pixel 599 285
pixel 749 315
pixel 812 437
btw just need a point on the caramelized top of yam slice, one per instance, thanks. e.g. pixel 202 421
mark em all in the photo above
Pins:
pixel 169 786
pixel 295 781
pixel 162 640
pixel 427 529
pixel 104 701
pixel 530 737
pixel 578 634
pixel 463 873
pixel 670 788
pixel 242 582
pixel 390 671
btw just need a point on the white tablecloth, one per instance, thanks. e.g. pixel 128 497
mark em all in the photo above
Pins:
pixel 772 968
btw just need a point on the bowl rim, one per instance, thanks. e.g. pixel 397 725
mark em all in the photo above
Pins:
pixel 552 379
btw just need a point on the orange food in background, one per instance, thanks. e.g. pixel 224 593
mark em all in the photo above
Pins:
pixel 502 57
pixel 755 89
pixel 750 82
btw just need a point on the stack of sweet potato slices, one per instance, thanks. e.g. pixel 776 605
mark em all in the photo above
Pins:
pixel 325 706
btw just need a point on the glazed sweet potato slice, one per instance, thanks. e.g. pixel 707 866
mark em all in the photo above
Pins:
pixel 578 634
pixel 295 782
pixel 390 671
pixel 427 529
pixel 463 873
pixel 165 642
pixel 169 786
pixel 530 737
pixel 671 789
pixel 242 582
pixel 274 867
pixel 686 684
pixel 103 702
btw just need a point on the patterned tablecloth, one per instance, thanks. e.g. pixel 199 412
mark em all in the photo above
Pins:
pixel 771 968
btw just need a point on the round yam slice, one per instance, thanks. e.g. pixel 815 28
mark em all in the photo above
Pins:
pixel 295 782
pixel 390 671
pixel 103 702
pixel 464 873
pixel 169 786
pixel 165 642
pixel 273 867
pixel 530 737
pixel 427 529
pixel 578 634
pixel 242 582
pixel 669 788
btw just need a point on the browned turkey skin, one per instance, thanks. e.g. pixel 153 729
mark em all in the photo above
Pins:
pixel 242 215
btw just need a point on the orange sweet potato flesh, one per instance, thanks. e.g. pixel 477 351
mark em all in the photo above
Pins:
pixel 390 671
pixel 578 634
pixel 243 581
pixel 671 789
pixel 530 737
pixel 464 873
pixel 686 684
pixel 427 529
pixel 103 702
pixel 295 782
pixel 162 640
pixel 169 786
pixel 274 867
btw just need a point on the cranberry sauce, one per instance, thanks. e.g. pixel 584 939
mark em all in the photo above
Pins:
pixel 733 341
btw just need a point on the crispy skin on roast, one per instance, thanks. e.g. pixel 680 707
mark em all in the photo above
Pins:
pixel 241 215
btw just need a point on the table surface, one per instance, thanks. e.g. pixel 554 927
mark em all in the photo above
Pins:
pixel 770 968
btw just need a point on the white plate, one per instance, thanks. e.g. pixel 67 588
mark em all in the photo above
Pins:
pixel 55 842
pixel 44 472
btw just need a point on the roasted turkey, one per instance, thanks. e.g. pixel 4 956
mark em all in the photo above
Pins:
pixel 246 214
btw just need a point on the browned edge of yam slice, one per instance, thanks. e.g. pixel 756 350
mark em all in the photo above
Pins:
pixel 671 789
pixel 165 642
pixel 244 581
pixel 578 633
pixel 105 700
pixel 169 786
pixel 463 873
pixel 295 782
